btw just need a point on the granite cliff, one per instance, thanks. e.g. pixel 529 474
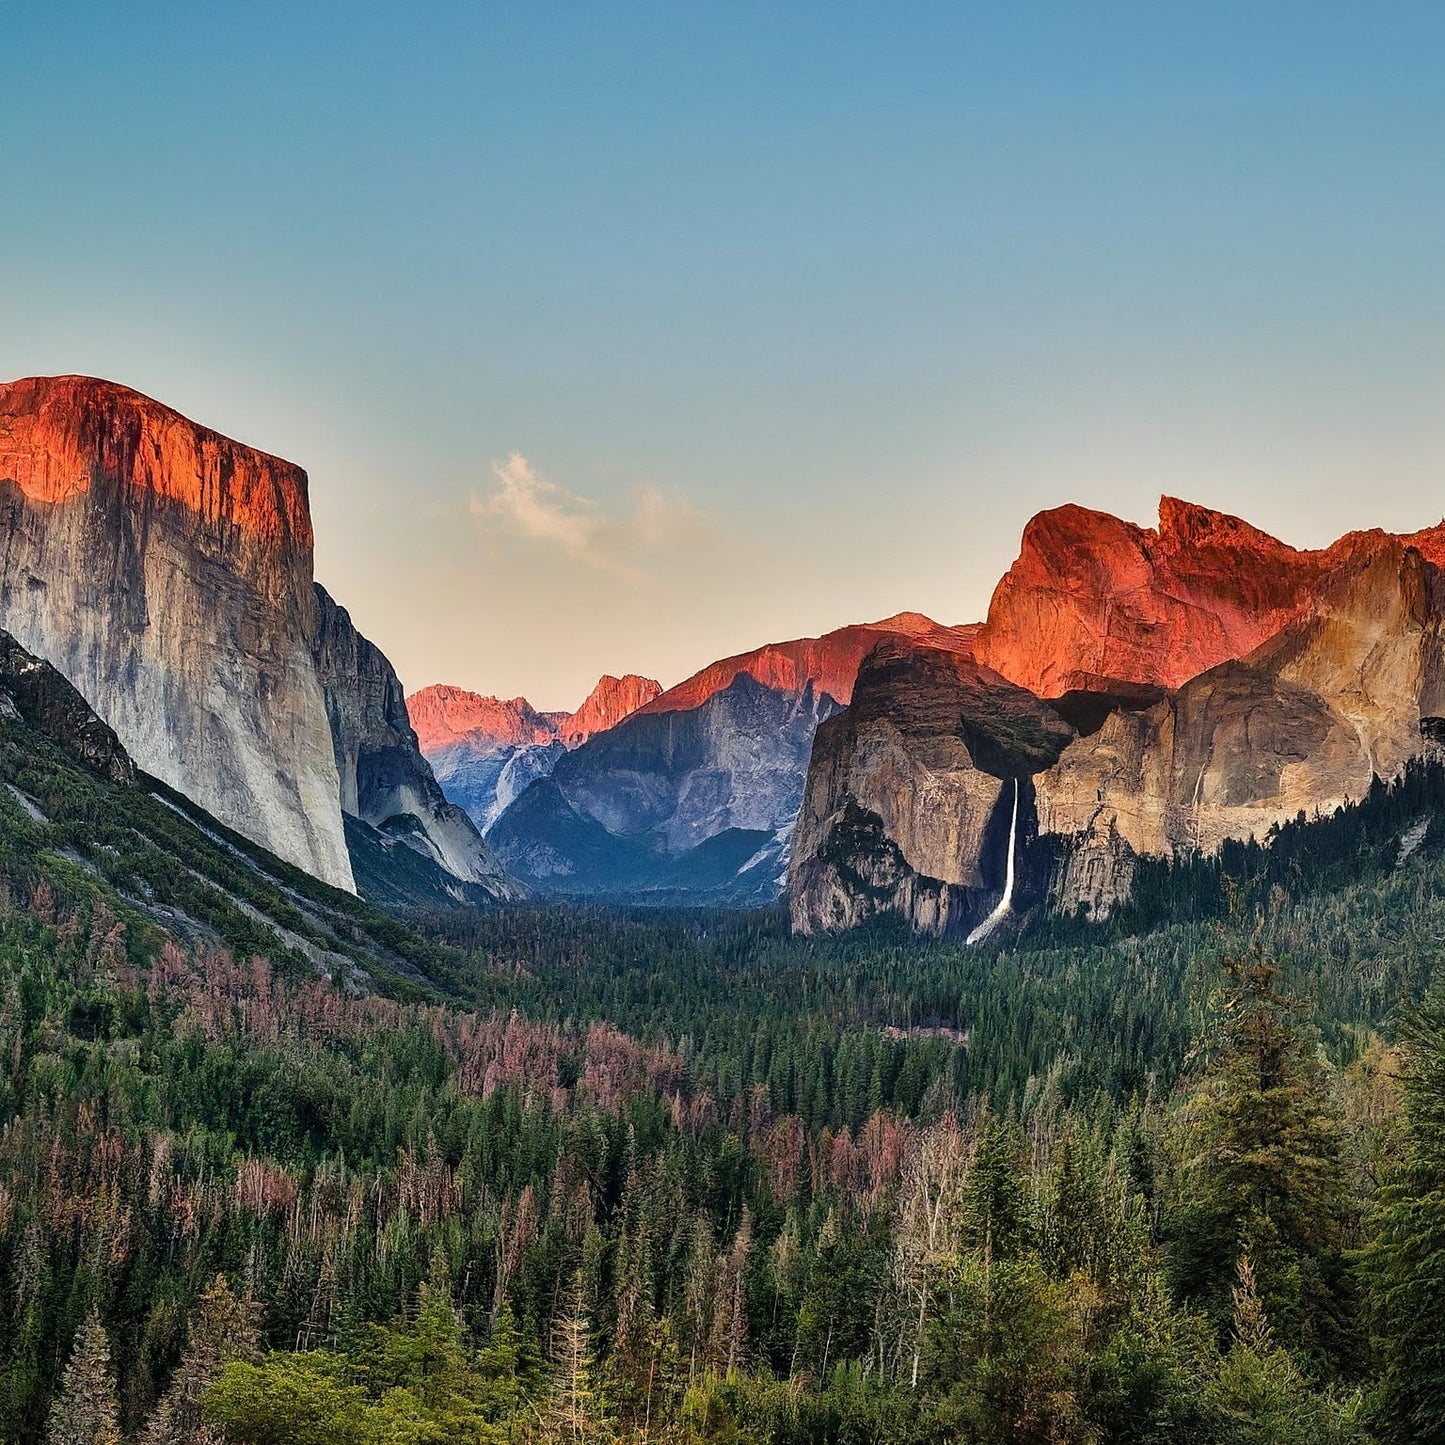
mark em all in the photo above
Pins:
pixel 1197 683
pixel 166 572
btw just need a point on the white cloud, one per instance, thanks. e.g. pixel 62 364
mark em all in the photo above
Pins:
pixel 527 504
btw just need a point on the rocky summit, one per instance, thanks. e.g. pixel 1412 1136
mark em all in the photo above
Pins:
pixel 486 751
pixel 1138 694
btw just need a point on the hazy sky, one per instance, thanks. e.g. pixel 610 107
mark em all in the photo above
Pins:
pixel 624 336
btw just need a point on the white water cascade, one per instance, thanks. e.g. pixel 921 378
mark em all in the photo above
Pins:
pixel 1001 911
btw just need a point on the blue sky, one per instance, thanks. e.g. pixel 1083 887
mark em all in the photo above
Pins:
pixel 619 337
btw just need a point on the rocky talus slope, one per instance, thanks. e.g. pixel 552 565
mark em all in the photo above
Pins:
pixel 1312 674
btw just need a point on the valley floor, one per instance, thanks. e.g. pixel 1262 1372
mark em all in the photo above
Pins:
pixel 545 1174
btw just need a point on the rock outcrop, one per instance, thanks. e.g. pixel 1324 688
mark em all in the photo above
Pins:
pixel 693 797
pixel 384 779
pixel 908 790
pixel 34 693
pixel 1210 684
pixel 166 572
pixel 1304 723
pixel 613 699
pixel 1093 601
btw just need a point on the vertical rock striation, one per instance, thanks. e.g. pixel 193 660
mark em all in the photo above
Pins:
pixel 166 572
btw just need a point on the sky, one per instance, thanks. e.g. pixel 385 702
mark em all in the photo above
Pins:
pixel 623 336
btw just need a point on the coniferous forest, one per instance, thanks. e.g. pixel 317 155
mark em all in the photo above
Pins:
pixel 592 1175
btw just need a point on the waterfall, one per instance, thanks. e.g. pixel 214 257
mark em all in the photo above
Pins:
pixel 1001 911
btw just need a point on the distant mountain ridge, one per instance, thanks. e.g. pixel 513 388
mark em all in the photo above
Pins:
pixel 487 750
pixel 692 798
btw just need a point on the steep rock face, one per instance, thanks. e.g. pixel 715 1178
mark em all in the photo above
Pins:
pixel 705 778
pixel 636 809
pixel 1339 696
pixel 444 716
pixel 166 572
pixel 1093 600
pixel 384 779
pixel 33 692
pixel 613 699
pixel 908 788
pixel 486 751
pixel 1332 673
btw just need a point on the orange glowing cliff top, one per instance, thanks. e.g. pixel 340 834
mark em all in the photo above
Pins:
pixel 443 715
pixel 61 436
pixel 1092 598
pixel 829 662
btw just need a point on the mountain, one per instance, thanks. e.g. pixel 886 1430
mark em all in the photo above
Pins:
pixel 692 798
pixel 166 572
pixel 75 809
pixel 613 699
pixel 1315 673
pixel 385 780
pixel 1093 601
pixel 486 751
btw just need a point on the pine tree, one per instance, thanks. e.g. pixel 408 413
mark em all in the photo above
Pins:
pixel 223 1328
pixel 86 1411
pixel 1262 1173
pixel 1403 1260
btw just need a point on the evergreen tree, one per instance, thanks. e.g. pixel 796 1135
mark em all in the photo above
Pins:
pixel 86 1411
pixel 1405 1262
pixel 1262 1172
pixel 223 1328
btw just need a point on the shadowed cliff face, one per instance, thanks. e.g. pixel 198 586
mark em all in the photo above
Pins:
pixel 707 777
pixel 385 781
pixel 34 693
pixel 166 572
pixel 1312 674
pixel 908 791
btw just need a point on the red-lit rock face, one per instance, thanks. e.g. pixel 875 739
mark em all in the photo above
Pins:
pixel 59 436
pixel 167 573
pixel 613 699
pixel 444 715
pixel 1092 597
pixel 829 662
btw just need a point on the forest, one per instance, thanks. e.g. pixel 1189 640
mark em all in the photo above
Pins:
pixel 612 1175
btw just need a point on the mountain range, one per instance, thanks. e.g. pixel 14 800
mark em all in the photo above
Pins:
pixel 1132 694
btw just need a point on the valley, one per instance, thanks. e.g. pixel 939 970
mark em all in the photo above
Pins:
pixel 1020 1030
